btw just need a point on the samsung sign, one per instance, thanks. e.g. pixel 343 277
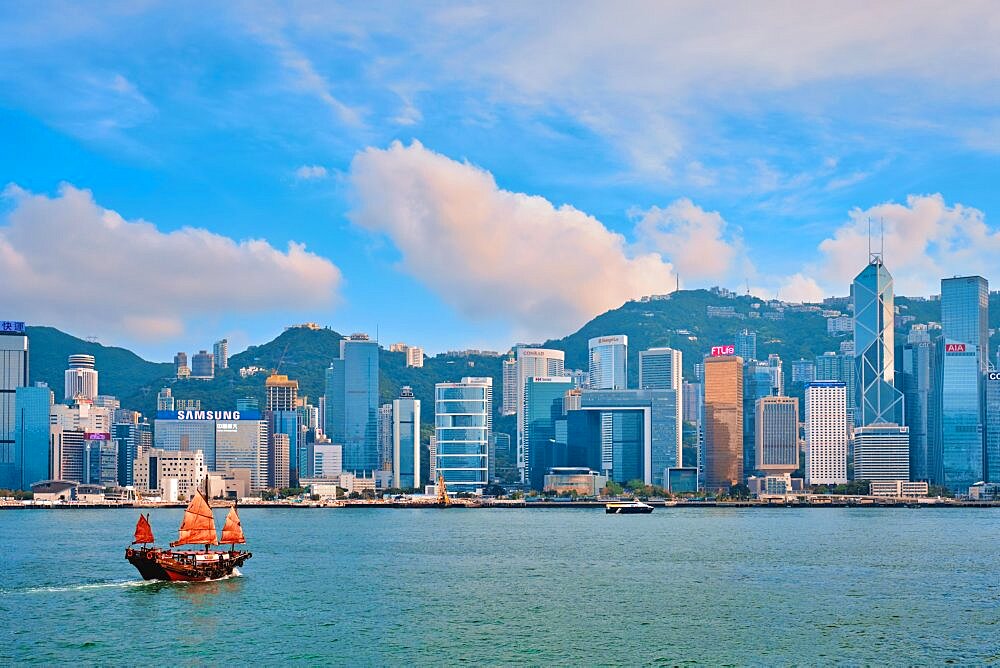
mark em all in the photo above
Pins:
pixel 207 415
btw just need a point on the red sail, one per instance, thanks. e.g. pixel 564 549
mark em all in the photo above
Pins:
pixel 143 532
pixel 232 530
pixel 198 525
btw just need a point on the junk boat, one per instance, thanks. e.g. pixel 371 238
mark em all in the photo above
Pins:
pixel 198 527
pixel 627 508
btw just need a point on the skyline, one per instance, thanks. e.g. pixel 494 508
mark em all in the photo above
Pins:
pixel 469 178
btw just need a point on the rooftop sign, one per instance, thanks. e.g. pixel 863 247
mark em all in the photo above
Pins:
pixel 954 347
pixel 207 415
pixel 11 327
pixel 722 351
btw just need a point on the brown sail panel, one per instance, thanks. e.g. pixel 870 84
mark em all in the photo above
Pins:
pixel 143 532
pixel 232 530
pixel 198 525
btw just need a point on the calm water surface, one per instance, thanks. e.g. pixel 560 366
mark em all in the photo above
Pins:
pixel 497 587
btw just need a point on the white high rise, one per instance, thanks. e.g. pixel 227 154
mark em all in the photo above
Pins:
pixel 608 362
pixel 882 452
pixel 826 433
pixel 533 363
pixel 80 379
pixel 509 387
pixel 221 354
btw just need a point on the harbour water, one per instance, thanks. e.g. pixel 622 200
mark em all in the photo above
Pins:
pixel 501 587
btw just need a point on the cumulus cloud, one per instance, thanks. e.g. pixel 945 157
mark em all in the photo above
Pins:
pixel 925 239
pixel 71 263
pixel 695 240
pixel 491 252
pixel 310 172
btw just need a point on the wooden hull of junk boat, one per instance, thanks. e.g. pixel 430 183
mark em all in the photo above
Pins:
pixel 184 566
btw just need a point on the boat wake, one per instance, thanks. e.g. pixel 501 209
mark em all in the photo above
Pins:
pixel 78 587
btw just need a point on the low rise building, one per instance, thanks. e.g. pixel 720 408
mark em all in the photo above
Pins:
pixel 898 488
pixel 173 475
pixel 583 481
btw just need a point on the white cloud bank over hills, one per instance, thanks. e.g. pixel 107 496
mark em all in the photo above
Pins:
pixel 70 263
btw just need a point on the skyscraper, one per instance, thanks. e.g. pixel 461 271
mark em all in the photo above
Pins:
pixel 165 400
pixel 839 366
pixel 352 402
pixel 220 352
pixel 80 379
pixel 991 451
pixel 874 354
pixel 462 434
pixel 723 422
pixel 777 434
pixel 282 393
pixel 917 383
pixel 13 374
pixel 543 405
pixel 406 440
pixel 758 382
pixel 509 378
pixel 660 369
pixel 31 436
pixel 608 362
pixel 965 305
pixel 533 363
pixel 283 419
pixel 181 367
pixel 746 344
pixel 958 417
pixel 826 433
pixel 881 452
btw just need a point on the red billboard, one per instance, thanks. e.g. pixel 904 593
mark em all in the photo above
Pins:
pixel 720 351
pixel 954 347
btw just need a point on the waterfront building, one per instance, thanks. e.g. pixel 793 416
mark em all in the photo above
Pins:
pixel 746 344
pixel 352 402
pixel 899 489
pixel 242 444
pixel 532 363
pixel 328 460
pixel 128 437
pixel 165 400
pixel 543 405
pixel 67 454
pixel 582 481
pixel 220 354
pixel 509 379
pixel 278 461
pixel 777 435
pixel 682 479
pixel 882 452
pixel 31 436
pixel 608 362
pixel 100 459
pixel 462 434
pixel 203 365
pixel 958 422
pixel 13 375
pixel 917 382
pixel 965 302
pixel 174 475
pixel 874 345
pixel 406 440
pixel 723 415
pixel 636 431
pixel 826 433
pixel 758 383
pixel 660 369
pixel 432 474
pixel 385 438
pixel 80 379
pixel 991 438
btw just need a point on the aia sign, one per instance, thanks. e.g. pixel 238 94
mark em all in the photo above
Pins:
pixel 720 351
pixel 954 347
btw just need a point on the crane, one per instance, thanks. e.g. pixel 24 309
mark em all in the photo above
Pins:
pixel 442 491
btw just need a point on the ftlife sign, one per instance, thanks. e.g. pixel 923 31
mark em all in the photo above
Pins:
pixel 723 351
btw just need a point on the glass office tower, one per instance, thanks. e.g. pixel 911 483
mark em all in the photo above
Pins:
pixel 406 440
pixel 960 429
pixel 462 434
pixel 874 356
pixel 723 422
pixel 965 313
pixel 352 403
pixel 31 435
pixel 609 362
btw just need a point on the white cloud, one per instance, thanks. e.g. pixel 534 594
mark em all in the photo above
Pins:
pixel 310 172
pixel 695 240
pixel 494 253
pixel 71 263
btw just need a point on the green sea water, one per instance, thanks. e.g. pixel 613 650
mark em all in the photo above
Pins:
pixel 504 587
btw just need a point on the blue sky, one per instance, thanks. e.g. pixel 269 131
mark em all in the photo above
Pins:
pixel 471 175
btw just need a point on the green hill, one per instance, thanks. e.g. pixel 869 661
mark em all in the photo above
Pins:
pixel 680 322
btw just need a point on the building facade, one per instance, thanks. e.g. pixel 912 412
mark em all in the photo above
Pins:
pixel 608 362
pixel 826 433
pixel 80 379
pixel 31 437
pixel 532 363
pixel 723 422
pixel 777 435
pixel 406 440
pixel 352 403
pixel 874 346
pixel 882 452
pixel 462 434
